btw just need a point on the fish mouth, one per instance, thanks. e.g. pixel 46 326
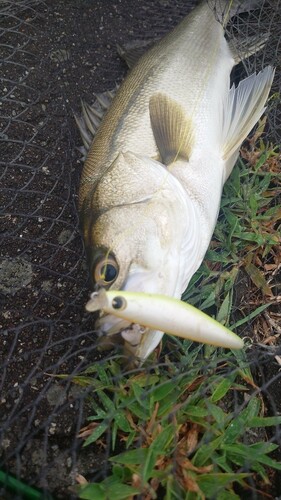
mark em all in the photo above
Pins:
pixel 111 325
pixel 138 341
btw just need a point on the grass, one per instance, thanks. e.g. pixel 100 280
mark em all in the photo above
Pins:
pixel 178 431
pixel 193 426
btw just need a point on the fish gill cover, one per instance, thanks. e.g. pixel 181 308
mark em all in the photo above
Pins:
pixel 53 377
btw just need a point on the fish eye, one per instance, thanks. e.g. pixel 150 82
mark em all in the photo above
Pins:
pixel 105 271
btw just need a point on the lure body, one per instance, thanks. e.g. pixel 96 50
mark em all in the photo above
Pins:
pixel 170 315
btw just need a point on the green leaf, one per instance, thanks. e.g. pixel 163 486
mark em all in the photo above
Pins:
pixel 93 492
pixel 131 457
pixel 235 180
pixel 157 448
pixel 252 410
pixel 131 438
pixel 253 451
pixel 253 454
pixel 227 495
pixel 264 421
pixel 97 432
pixel 136 409
pixel 221 389
pixel 166 405
pixel 163 440
pixel 114 435
pixel 258 278
pixel 210 301
pixel 231 218
pixel 118 472
pixel 119 491
pixel 19 488
pixel 222 256
pixel 107 402
pixel 253 237
pixel 210 484
pixel 144 380
pixel 223 462
pixel 148 466
pixel 262 447
pixel 224 311
pixel 122 421
pixel 103 376
pixel 262 159
pixel 217 413
pixel 141 396
pixel 253 203
pixel 195 411
pixel 234 431
pixel 238 425
pixel 244 367
pixel 162 390
pixel 205 452
pixel 250 316
pixel 85 381
pixel 257 467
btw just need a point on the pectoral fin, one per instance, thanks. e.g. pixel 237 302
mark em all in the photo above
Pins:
pixel 173 130
pixel 242 110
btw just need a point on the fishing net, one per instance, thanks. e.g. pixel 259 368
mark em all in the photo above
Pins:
pixel 53 54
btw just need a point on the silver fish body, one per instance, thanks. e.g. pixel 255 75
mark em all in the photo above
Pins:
pixel 152 181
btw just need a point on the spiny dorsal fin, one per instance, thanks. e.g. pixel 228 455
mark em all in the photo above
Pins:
pixel 89 122
pixel 243 108
pixel 173 130
pixel 131 52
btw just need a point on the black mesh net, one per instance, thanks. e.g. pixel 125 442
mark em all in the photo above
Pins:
pixel 53 54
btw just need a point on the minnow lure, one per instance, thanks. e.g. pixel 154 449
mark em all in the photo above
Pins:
pixel 160 312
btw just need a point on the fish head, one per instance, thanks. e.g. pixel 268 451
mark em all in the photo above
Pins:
pixel 133 230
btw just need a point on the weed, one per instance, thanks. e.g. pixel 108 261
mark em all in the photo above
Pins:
pixel 184 429
pixel 178 430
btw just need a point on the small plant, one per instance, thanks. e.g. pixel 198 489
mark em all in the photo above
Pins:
pixel 186 429
pixel 246 243
pixel 179 431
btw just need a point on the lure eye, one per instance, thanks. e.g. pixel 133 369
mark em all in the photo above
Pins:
pixel 119 303
pixel 106 271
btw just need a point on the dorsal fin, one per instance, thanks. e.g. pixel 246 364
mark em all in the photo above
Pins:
pixel 173 130
pixel 132 51
pixel 243 48
pixel 89 122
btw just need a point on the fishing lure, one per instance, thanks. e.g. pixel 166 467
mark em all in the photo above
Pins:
pixel 160 312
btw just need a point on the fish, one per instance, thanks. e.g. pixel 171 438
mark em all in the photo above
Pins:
pixel 152 181
pixel 173 316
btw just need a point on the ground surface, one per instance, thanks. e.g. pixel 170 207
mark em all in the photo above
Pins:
pixel 54 54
